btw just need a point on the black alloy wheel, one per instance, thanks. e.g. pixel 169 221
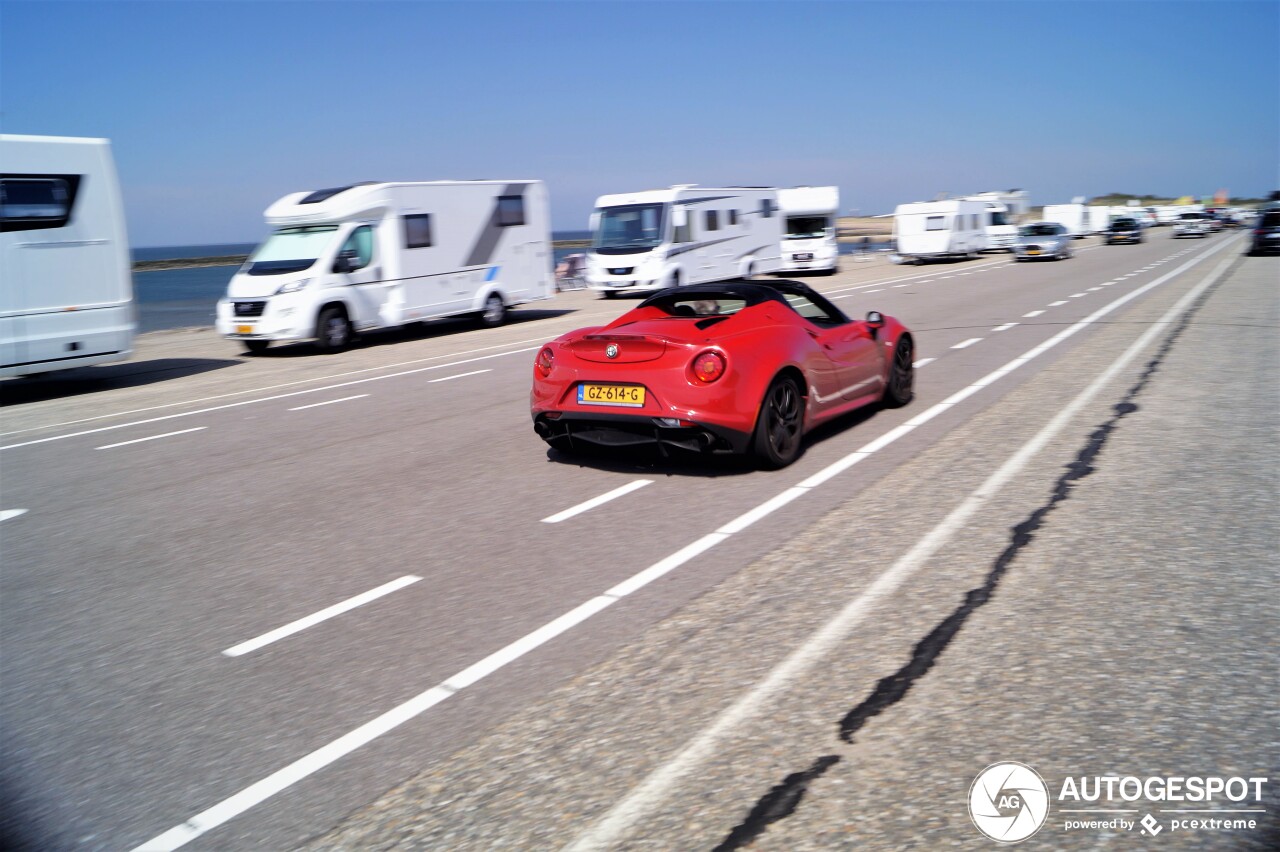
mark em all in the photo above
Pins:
pixel 779 425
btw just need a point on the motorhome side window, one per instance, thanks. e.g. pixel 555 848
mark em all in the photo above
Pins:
pixel 360 242
pixel 713 220
pixel 733 217
pixel 766 208
pixel 31 203
pixel 935 223
pixel 683 233
pixel 510 210
pixel 417 230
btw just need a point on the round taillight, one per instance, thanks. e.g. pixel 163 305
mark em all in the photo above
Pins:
pixel 708 367
pixel 544 361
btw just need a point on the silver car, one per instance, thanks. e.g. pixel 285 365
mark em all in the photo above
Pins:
pixel 1191 225
pixel 1041 240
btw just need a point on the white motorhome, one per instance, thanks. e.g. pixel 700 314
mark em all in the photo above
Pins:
pixel 66 292
pixel 997 220
pixel 1099 218
pixel 936 229
pixel 1074 217
pixel 378 255
pixel 809 240
pixel 687 234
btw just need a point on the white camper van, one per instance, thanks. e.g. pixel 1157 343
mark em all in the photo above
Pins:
pixel 683 235
pixel 1073 217
pixel 935 229
pixel 809 228
pixel 66 295
pixel 1099 218
pixel 997 220
pixel 377 255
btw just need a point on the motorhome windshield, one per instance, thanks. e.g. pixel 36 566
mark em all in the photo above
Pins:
pixel 806 227
pixel 629 228
pixel 998 217
pixel 291 250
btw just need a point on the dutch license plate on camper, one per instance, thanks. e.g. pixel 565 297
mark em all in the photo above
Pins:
pixel 244 329
pixel 631 396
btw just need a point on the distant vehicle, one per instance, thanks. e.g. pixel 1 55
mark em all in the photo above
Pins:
pixel 1073 217
pixel 687 234
pixel 1042 241
pixel 1099 218
pixel 1123 230
pixel 925 230
pixel 734 367
pixel 66 291
pixel 379 255
pixel 1264 237
pixel 809 234
pixel 999 231
pixel 1191 225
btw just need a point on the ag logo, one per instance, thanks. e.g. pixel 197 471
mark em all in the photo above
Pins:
pixel 1008 801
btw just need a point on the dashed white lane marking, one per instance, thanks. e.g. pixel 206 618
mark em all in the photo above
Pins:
pixel 1077 295
pixel 1031 314
pixel 965 344
pixel 1004 327
pixel 11 513
pixel 323 615
pixel 923 361
pixel 901 285
pixel 877 290
pixel 266 398
pixel 152 438
pixel 309 764
pixel 597 501
pixel 459 376
pixel 329 402
pixel 608 832
pixel 1094 289
pixel 1057 304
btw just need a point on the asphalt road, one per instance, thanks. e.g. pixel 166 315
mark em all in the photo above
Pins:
pixel 509 681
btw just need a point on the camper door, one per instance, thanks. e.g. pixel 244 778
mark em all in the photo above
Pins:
pixel 357 265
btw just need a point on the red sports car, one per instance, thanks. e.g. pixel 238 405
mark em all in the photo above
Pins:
pixel 732 367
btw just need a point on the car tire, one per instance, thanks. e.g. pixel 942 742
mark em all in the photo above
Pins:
pixel 333 330
pixel 256 347
pixel 899 389
pixel 608 294
pixel 779 425
pixel 494 312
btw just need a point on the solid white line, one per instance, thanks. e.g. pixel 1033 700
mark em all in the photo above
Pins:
pixel 965 344
pixel 311 763
pixel 597 501
pixel 266 399
pixel 1056 304
pixel 459 376
pixel 1032 314
pixel 608 831
pixel 923 361
pixel 329 402
pixel 323 615
pixel 11 513
pixel 152 438
pixel 1004 327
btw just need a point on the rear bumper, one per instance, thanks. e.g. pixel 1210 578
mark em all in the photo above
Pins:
pixel 566 429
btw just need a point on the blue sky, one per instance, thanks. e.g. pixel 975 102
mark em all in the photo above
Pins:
pixel 215 109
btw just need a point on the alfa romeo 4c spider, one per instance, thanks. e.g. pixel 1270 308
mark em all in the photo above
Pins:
pixel 737 367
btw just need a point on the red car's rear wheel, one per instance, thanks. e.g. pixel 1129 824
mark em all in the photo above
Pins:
pixel 780 423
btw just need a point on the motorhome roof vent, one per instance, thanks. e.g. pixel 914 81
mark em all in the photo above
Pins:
pixel 325 194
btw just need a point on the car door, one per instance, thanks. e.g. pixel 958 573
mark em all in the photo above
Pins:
pixel 858 365
pixel 358 267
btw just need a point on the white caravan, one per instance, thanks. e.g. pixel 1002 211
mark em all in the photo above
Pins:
pixel 66 295
pixel 1099 218
pixel 1073 217
pixel 932 229
pixel 378 255
pixel 687 234
pixel 809 241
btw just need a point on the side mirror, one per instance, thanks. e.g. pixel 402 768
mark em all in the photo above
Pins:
pixel 875 319
pixel 346 261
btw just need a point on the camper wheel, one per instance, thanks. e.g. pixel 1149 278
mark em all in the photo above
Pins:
pixel 495 311
pixel 333 330
pixel 256 347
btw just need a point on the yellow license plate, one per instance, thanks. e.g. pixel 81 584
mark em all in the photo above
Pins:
pixel 631 396
pixel 1033 251
pixel 244 329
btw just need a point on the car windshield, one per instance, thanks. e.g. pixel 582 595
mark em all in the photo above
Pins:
pixel 291 250
pixel 1037 231
pixel 629 228
pixel 1122 224
pixel 1270 219
pixel 805 227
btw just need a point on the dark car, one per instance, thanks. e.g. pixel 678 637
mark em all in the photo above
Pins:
pixel 1265 235
pixel 1123 230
